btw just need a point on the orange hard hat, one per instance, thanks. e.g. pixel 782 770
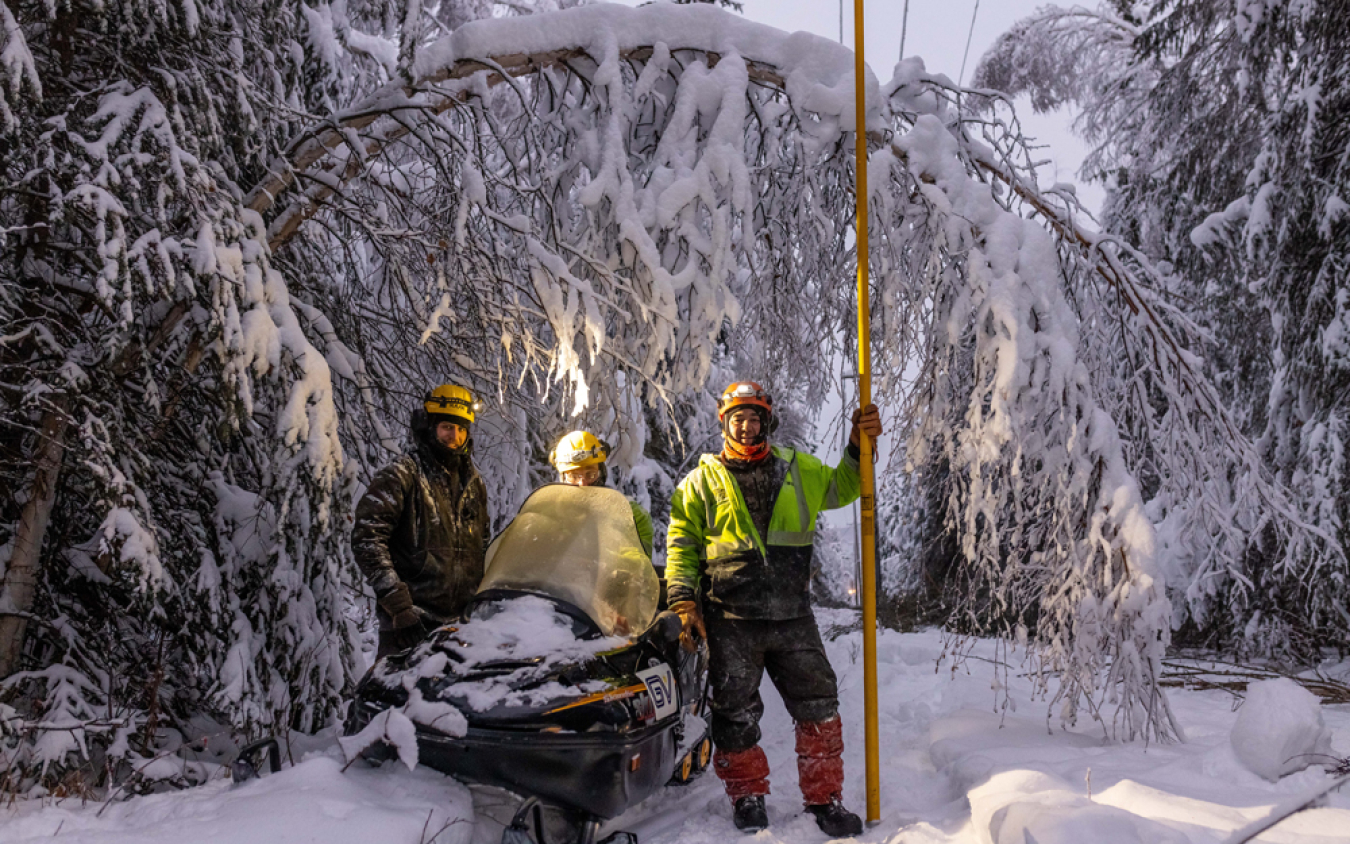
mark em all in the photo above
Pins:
pixel 743 394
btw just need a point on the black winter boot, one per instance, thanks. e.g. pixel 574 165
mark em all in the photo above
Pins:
pixel 750 815
pixel 834 820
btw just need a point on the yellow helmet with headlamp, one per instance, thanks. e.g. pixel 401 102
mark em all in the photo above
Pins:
pixel 578 450
pixel 446 403
pixel 451 400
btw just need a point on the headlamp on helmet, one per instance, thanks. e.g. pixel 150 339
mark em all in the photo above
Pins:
pixel 578 450
pixel 744 394
pixel 452 400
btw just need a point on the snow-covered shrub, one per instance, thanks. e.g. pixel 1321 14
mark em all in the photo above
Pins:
pixel 1279 729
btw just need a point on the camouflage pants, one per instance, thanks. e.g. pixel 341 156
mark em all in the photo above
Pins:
pixel 740 651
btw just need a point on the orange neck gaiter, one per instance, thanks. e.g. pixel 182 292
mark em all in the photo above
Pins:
pixel 732 450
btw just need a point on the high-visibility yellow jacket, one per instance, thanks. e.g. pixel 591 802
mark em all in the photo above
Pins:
pixel 713 539
pixel 643 521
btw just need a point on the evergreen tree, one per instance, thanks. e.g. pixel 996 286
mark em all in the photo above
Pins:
pixel 174 548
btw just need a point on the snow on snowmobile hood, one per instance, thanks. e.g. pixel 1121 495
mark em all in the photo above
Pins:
pixel 578 545
pixel 501 657
pixel 569 551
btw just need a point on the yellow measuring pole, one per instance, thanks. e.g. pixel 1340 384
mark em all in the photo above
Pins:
pixel 868 505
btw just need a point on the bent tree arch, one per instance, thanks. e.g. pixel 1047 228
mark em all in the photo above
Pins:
pixel 628 190
pixel 632 191
pixel 595 210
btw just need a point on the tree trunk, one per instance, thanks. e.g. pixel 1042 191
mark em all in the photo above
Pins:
pixel 21 574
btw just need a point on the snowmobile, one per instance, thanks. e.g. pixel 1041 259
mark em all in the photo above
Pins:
pixel 565 684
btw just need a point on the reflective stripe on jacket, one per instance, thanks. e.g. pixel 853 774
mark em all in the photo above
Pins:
pixel 710 523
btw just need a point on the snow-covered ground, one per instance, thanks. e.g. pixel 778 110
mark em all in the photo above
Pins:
pixel 952 771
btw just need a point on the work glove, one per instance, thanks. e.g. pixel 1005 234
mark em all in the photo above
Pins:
pixel 411 623
pixel 868 421
pixel 691 620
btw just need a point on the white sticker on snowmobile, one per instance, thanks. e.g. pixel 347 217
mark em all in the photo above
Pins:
pixel 660 682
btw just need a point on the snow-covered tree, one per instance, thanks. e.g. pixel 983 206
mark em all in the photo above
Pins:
pixel 1287 231
pixel 1215 124
pixel 174 545
pixel 595 218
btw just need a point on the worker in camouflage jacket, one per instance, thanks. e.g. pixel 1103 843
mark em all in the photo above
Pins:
pixel 742 525
pixel 421 528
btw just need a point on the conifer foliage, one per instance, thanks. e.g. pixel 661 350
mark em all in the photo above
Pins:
pixel 173 547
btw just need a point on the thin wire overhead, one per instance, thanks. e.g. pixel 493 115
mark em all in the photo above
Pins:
pixel 961 80
pixel 904 27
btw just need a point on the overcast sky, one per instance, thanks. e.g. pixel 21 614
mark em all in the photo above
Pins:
pixel 937 33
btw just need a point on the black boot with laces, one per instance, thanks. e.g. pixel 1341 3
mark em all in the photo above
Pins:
pixel 834 820
pixel 750 815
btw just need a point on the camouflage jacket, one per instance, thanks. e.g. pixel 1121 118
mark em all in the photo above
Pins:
pixel 424 525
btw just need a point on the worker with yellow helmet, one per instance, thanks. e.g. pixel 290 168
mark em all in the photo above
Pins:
pixel 580 458
pixel 420 534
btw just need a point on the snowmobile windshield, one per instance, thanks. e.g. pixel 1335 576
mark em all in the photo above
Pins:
pixel 578 545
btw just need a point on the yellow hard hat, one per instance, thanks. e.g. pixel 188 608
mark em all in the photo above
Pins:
pixel 451 400
pixel 577 450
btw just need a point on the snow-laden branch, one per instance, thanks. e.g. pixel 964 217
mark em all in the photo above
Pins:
pixel 388 119
pixel 620 204
pixel 17 68
pixel 816 73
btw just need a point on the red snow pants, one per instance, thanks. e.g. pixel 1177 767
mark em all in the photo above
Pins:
pixel 744 773
pixel 820 764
